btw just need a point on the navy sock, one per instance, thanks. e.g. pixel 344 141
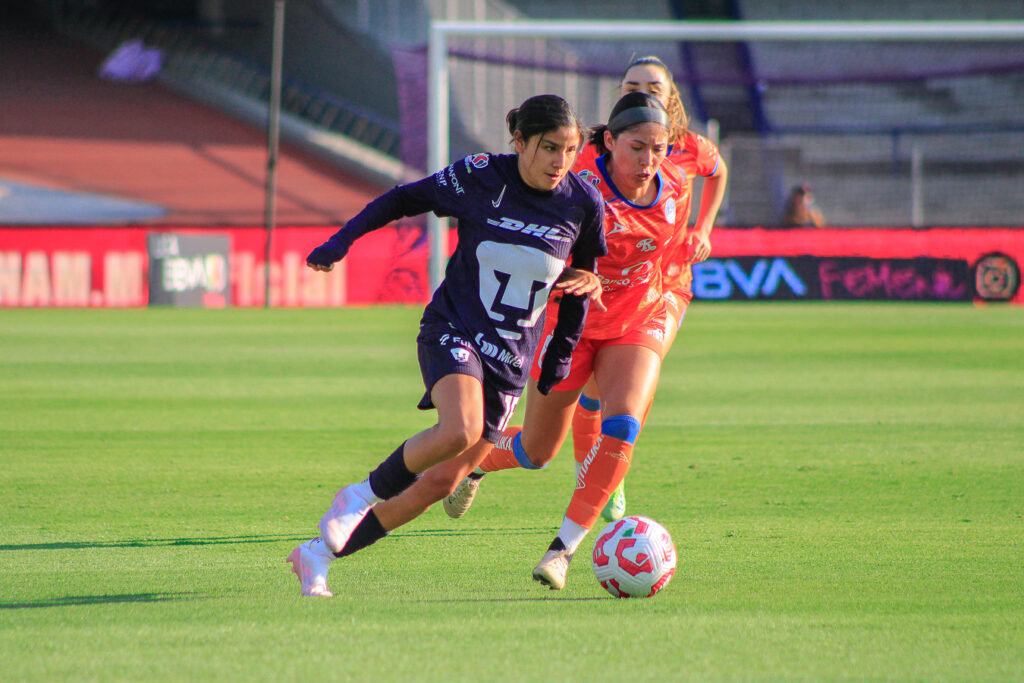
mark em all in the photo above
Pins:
pixel 367 533
pixel 392 476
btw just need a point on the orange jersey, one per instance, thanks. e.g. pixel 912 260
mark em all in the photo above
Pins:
pixel 694 155
pixel 639 241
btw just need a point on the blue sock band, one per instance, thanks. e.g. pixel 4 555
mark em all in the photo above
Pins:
pixel 520 453
pixel 588 403
pixel 622 427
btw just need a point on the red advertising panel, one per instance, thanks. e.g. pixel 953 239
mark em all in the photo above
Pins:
pixel 87 266
pixel 108 266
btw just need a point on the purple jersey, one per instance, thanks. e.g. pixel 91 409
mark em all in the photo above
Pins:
pixel 513 243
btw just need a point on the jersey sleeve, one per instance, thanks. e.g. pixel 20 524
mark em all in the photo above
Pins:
pixel 590 245
pixel 707 156
pixel 438 193
pixel 401 201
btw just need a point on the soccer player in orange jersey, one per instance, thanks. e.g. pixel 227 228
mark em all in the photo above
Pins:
pixel 621 346
pixel 694 155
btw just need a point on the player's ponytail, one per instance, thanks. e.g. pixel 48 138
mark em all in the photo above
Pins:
pixel 542 114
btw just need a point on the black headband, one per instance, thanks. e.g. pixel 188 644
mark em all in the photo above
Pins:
pixel 626 118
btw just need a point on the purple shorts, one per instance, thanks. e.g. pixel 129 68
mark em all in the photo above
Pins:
pixel 444 351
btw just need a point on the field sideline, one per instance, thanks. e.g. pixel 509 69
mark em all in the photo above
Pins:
pixel 844 484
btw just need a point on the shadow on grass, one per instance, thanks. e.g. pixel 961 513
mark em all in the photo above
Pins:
pixel 155 542
pixel 75 600
pixel 536 599
pixel 474 531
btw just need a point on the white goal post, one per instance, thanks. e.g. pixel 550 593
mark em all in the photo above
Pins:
pixel 696 31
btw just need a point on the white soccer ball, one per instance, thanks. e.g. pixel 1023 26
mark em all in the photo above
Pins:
pixel 634 557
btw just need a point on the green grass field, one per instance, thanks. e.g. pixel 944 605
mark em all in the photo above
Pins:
pixel 844 485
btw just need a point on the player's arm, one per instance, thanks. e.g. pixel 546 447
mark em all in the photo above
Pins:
pixel 580 276
pixel 711 198
pixel 572 316
pixel 401 201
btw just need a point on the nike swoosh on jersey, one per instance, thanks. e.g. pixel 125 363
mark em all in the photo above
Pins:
pixel 497 202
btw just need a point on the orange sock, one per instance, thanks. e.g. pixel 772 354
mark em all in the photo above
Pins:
pixel 602 471
pixel 586 427
pixel 503 455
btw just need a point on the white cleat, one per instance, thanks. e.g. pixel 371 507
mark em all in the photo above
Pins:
pixel 458 503
pixel 552 569
pixel 311 567
pixel 347 510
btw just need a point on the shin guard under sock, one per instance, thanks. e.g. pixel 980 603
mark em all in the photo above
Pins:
pixel 586 426
pixel 603 469
pixel 392 476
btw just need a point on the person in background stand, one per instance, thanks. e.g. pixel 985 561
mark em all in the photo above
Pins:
pixel 800 210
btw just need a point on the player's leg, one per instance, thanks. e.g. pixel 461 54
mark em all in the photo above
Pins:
pixel 627 376
pixel 433 485
pixel 544 429
pixel 532 446
pixel 586 420
pixel 500 398
pixel 459 401
pixel 616 507
pixel 545 425
pixel 586 428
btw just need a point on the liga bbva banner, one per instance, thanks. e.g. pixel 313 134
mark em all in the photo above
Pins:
pixel 111 267
pixel 188 270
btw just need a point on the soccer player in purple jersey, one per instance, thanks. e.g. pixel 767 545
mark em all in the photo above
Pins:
pixel 521 218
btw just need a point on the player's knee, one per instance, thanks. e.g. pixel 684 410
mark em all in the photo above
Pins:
pixel 456 436
pixel 539 452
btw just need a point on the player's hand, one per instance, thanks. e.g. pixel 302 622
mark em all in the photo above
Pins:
pixel 699 245
pixel 582 283
pixel 553 372
pixel 326 255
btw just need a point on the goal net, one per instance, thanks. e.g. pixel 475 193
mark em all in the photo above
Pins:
pixel 890 123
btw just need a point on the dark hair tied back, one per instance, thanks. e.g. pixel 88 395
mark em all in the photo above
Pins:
pixel 631 110
pixel 541 114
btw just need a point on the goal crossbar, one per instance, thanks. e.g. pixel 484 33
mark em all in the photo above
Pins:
pixel 704 31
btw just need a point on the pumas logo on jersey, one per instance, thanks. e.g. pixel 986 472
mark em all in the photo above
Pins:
pixel 670 210
pixel 461 355
pixel 647 245
pixel 542 231
pixel 617 228
pixel 476 161
pixel 590 177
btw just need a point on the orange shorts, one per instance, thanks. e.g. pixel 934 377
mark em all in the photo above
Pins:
pixel 650 334
pixel 676 302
